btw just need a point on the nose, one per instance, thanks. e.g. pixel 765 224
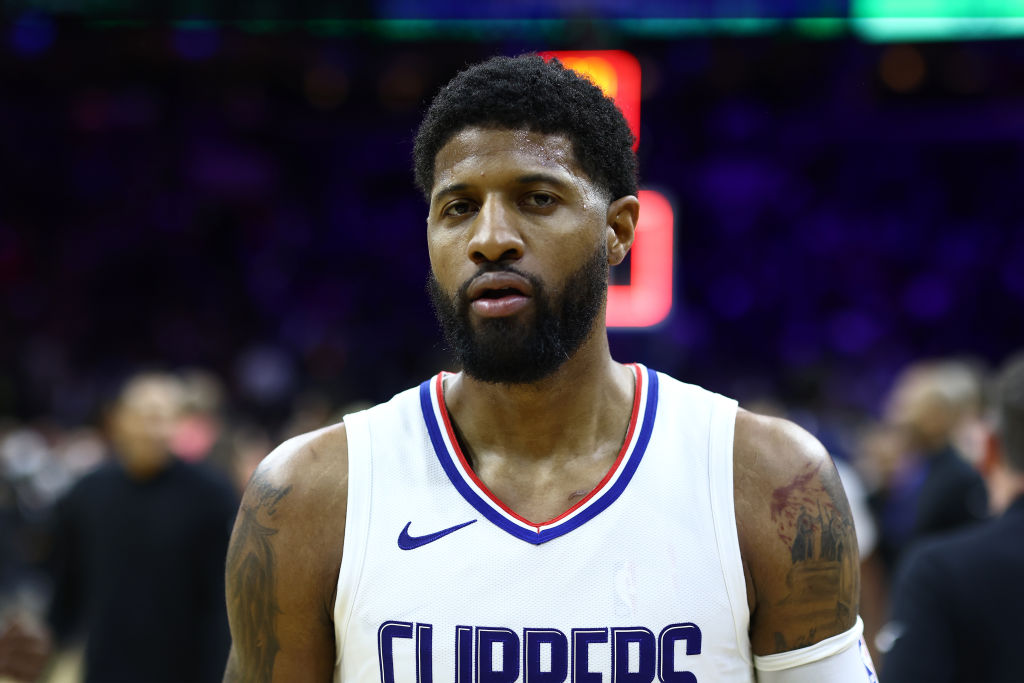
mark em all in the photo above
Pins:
pixel 495 235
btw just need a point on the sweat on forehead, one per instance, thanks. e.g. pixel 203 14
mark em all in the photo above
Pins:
pixel 497 155
pixel 545 150
pixel 529 93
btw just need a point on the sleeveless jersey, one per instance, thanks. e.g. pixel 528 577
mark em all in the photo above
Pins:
pixel 640 580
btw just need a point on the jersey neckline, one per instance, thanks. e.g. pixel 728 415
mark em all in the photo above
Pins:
pixel 476 493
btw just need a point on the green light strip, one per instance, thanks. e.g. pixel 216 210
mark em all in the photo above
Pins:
pixel 672 28
pixel 896 29
pixel 820 28
pixel 897 20
pixel 870 23
pixel 936 9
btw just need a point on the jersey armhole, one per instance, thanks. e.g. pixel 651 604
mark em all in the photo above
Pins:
pixel 357 522
pixel 721 431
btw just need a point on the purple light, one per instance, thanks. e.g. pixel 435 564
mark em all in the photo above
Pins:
pixel 32 34
pixel 196 42
pixel 799 342
pixel 231 171
pixel 853 332
pixel 731 296
pixel 927 297
pixel 1013 275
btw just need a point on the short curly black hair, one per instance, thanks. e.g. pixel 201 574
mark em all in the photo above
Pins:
pixel 542 96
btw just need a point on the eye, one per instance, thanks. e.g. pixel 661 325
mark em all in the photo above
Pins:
pixel 540 200
pixel 459 207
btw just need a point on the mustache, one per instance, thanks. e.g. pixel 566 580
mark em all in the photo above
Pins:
pixel 486 268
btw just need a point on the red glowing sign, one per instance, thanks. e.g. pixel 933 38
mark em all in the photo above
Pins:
pixel 616 72
pixel 647 299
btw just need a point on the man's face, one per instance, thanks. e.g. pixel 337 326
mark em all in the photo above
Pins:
pixel 143 422
pixel 517 236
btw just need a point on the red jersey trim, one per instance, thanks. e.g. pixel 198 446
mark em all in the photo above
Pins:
pixel 595 492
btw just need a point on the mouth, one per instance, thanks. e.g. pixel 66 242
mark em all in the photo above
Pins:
pixel 498 303
pixel 495 295
pixel 499 293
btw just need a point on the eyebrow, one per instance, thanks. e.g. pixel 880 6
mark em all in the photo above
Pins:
pixel 521 180
pixel 450 189
pixel 540 178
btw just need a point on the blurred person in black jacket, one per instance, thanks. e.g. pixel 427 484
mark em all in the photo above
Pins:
pixel 958 600
pixel 139 546
pixel 933 488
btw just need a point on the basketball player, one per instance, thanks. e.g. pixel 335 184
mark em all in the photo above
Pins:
pixel 547 514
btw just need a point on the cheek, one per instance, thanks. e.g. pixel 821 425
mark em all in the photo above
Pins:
pixel 576 244
pixel 443 252
pixel 435 251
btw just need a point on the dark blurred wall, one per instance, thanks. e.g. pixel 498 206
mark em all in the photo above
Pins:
pixel 244 202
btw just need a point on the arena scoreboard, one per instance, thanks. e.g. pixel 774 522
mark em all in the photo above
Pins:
pixel 647 300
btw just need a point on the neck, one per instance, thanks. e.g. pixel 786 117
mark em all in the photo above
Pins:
pixel 1014 489
pixel 144 469
pixel 581 408
pixel 1005 485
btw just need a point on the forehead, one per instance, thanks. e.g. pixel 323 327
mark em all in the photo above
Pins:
pixel 475 151
pixel 150 394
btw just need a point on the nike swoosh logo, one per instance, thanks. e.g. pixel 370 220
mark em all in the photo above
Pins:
pixel 408 542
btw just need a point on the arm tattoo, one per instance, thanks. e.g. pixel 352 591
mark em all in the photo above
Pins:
pixel 251 563
pixel 813 519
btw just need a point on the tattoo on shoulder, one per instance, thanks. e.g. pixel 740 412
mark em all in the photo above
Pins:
pixel 812 518
pixel 251 562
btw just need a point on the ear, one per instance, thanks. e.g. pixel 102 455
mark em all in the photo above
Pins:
pixel 622 218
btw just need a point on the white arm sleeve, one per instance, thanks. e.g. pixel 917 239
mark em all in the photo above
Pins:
pixel 840 659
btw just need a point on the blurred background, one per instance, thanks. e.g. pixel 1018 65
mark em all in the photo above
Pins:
pixel 229 199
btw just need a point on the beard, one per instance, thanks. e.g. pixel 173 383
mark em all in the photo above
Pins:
pixel 523 349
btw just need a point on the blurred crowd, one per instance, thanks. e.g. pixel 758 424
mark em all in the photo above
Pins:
pixel 913 470
pixel 251 210
pixel 239 206
pixel 113 534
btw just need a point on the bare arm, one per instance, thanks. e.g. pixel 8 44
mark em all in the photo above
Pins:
pixel 796 537
pixel 283 563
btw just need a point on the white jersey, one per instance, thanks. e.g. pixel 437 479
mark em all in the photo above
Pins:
pixel 641 579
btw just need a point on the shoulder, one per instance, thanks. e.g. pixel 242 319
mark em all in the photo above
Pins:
pixel 780 470
pixel 953 494
pixel 777 463
pixel 796 535
pixel 101 475
pixel 303 477
pixel 927 561
pixel 96 481
pixel 284 557
pixel 317 449
pixel 295 503
pixel 950 469
pixel 960 554
pixel 775 447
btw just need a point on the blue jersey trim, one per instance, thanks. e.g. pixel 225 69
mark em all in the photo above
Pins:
pixel 558 528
